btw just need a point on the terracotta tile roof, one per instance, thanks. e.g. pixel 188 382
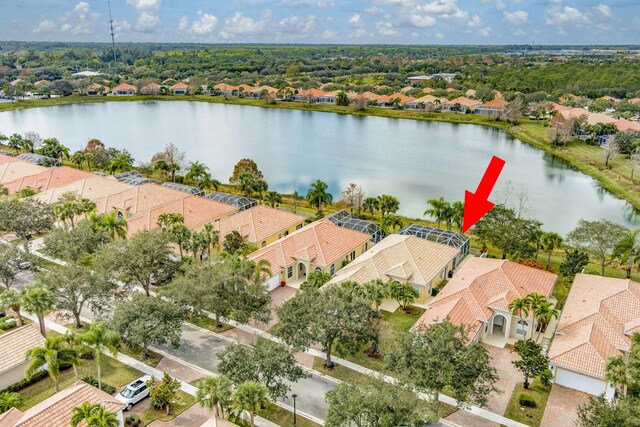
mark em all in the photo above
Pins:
pixel 625 125
pixel 96 188
pixel 140 198
pixel 407 257
pixel 16 343
pixel 403 98
pixel 258 223
pixel 124 86
pixel 428 99
pixel 599 317
pixel 195 210
pixel 225 87
pixel 450 89
pixel 427 90
pixel 470 92
pixel 496 103
pixel 462 100
pixel 313 92
pixel 635 100
pixel 56 411
pixel 372 96
pixel 12 169
pixel 267 88
pixel 482 285
pixel 247 88
pixel 40 82
pixel 179 85
pixel 94 87
pixel 11 417
pixel 321 242
pixel 152 86
pixel 49 178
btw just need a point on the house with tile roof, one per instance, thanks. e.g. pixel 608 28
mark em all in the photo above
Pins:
pixel 226 89
pixel 321 245
pixel 390 101
pixel 123 89
pixel 597 322
pixel 460 104
pixel 47 179
pixel 138 198
pixel 405 259
pixel 56 411
pixel 479 294
pixel 12 169
pixel 14 345
pixel 151 89
pixel 94 89
pixel 260 225
pixel 180 88
pixel 424 102
pixel 95 188
pixel 494 108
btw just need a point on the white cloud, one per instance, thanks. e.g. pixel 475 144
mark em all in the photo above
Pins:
pixel 121 26
pixel 205 24
pixel 421 20
pixel 148 18
pixel 519 17
pixel 375 10
pixel 485 32
pixel 183 24
pixel 420 13
pixel 44 27
pixel 241 25
pixel 80 20
pixel 386 29
pixel 147 22
pixel 475 21
pixel 560 15
pixel 311 4
pixel 296 25
pixel 145 5
pixel 360 32
pixel 604 10
pixel 439 36
pixel 355 20
pixel 329 35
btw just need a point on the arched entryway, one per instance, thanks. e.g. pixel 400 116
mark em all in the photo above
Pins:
pixel 499 325
pixel 302 271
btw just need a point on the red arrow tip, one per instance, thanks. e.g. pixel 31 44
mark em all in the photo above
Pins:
pixel 475 207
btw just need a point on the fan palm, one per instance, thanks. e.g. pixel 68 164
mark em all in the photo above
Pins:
pixel 36 299
pixel 388 204
pixel 250 396
pixel 95 415
pixel 617 373
pixel 111 224
pixel 78 158
pixel 53 148
pixel 318 195
pixel 53 355
pixel 99 339
pixel 10 399
pixel 261 271
pixel 437 210
pixel 167 220
pixel 16 142
pixel 370 204
pixel 12 298
pixel 550 241
pixel 520 307
pixel 375 291
pixel 627 250
pixel 215 392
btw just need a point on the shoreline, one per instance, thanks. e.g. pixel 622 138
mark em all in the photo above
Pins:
pixel 604 177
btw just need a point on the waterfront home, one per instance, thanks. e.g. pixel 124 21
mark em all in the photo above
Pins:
pixel 460 104
pixel 123 89
pixel 47 179
pixel 14 345
pixel 371 97
pixel 93 89
pixel 94 188
pixel 151 89
pixel 598 320
pixel 319 246
pixel 478 296
pixel 57 410
pixel 315 96
pixel 226 90
pixel 138 198
pixel 425 102
pixel 405 259
pixel 180 88
pixel 493 108
pixel 260 225
pixel 41 82
pixel 395 99
pixel 12 168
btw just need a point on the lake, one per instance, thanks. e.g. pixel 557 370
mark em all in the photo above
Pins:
pixel 409 159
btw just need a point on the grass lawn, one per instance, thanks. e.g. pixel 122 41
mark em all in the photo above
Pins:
pixel 181 403
pixel 282 417
pixel 25 322
pixel 209 324
pixel 114 373
pixel 136 352
pixel 529 416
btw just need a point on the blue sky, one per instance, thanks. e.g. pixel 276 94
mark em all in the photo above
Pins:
pixel 327 21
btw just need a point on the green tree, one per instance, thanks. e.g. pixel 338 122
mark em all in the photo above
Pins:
pixel 550 241
pixel 215 393
pixel 10 259
pixel 51 147
pixel 109 223
pixel 268 363
pixel 375 291
pixel 370 204
pixel 441 356
pixel 520 307
pixel 532 359
pixel 12 299
pixel 247 184
pixel 272 198
pixel 78 158
pixel 146 320
pixel 574 261
pixel 544 312
pixel 457 213
pixel 233 243
pixel 627 250
pixel 438 209
pixel 404 293
pixel 371 402
pixel 390 224
pixel 25 217
pixel 16 142
pixel 316 279
pixel 122 162
pixel 261 187
pixel 599 412
pixel 597 237
pixel 510 233
pixel 295 197
pixel 100 340
pixel 318 195
pixel 53 356
pixel 250 396
pixel 166 220
pixel 163 392
pixel 180 235
pixel 76 243
pixel 333 317
pixel 245 166
pixel 388 204
pixel 196 172
pixel 94 415
pixel 38 300
pixel 9 399
pixel 342 99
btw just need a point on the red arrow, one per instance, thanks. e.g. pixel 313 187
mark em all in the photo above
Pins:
pixel 476 205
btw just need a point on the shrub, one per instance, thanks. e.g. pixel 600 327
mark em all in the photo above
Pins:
pixel 7 323
pixel 527 401
pixel 87 355
pixel 535 264
pixel 545 377
pixel 107 388
pixel 132 420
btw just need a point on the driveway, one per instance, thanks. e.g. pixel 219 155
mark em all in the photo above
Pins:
pixel 562 406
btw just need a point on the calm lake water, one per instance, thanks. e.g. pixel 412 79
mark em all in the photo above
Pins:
pixel 411 160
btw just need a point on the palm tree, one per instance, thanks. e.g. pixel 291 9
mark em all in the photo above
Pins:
pixel 535 301
pixel 375 291
pixel 122 162
pixel 180 235
pixel 215 392
pixel 196 171
pixel 627 250
pixel 246 183
pixel 458 213
pixel 206 182
pixel 261 187
pixel 53 355
pixel 99 339
pixel 37 300
pixel 10 399
pixel 370 204
pixel 437 210
pixel 16 142
pixel 318 195
pixel 390 224
pixel 550 241
pixel 261 271
pixel 78 158
pixel 272 198
pixel 51 147
pixel 172 168
pixel 12 298
pixel 520 307
pixel 544 312
pixel 617 373
pixel 388 204
pixel 296 197
pixel 95 415
pixel 211 238
pixel 111 224
pixel 166 220
pixel 250 396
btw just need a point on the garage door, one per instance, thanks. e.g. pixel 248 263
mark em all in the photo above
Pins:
pixel 580 382
pixel 274 282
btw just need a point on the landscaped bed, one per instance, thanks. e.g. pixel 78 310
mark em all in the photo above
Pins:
pixel 525 414
pixel 181 403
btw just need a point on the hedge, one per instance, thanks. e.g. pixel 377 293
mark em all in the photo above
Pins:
pixel 107 388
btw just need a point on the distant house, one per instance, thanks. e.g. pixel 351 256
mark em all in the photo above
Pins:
pixel 425 102
pixel 94 89
pixel 479 294
pixel 460 104
pixel 124 89
pixel 13 347
pixel 180 88
pixel 470 93
pixel 394 99
pixel 47 179
pixel 41 82
pixel 56 411
pixel 598 320
pixel 493 108
pixel 634 101
pixel 315 96
pixel 319 246
pixel 447 77
pixel 226 90
pixel 151 89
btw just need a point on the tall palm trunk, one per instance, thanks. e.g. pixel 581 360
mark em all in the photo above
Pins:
pixel 549 258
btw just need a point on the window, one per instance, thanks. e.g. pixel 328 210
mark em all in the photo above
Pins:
pixel 318 269
pixel 298 227
pixel 352 256
pixel 522 328
pixel 264 244
pixel 333 269
pixel 289 271
pixel 286 233
pixel 120 215
pixel 364 247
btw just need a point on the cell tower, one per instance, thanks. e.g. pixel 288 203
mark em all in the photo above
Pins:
pixel 113 34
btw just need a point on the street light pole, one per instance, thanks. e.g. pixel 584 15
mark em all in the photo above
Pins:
pixel 294 409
